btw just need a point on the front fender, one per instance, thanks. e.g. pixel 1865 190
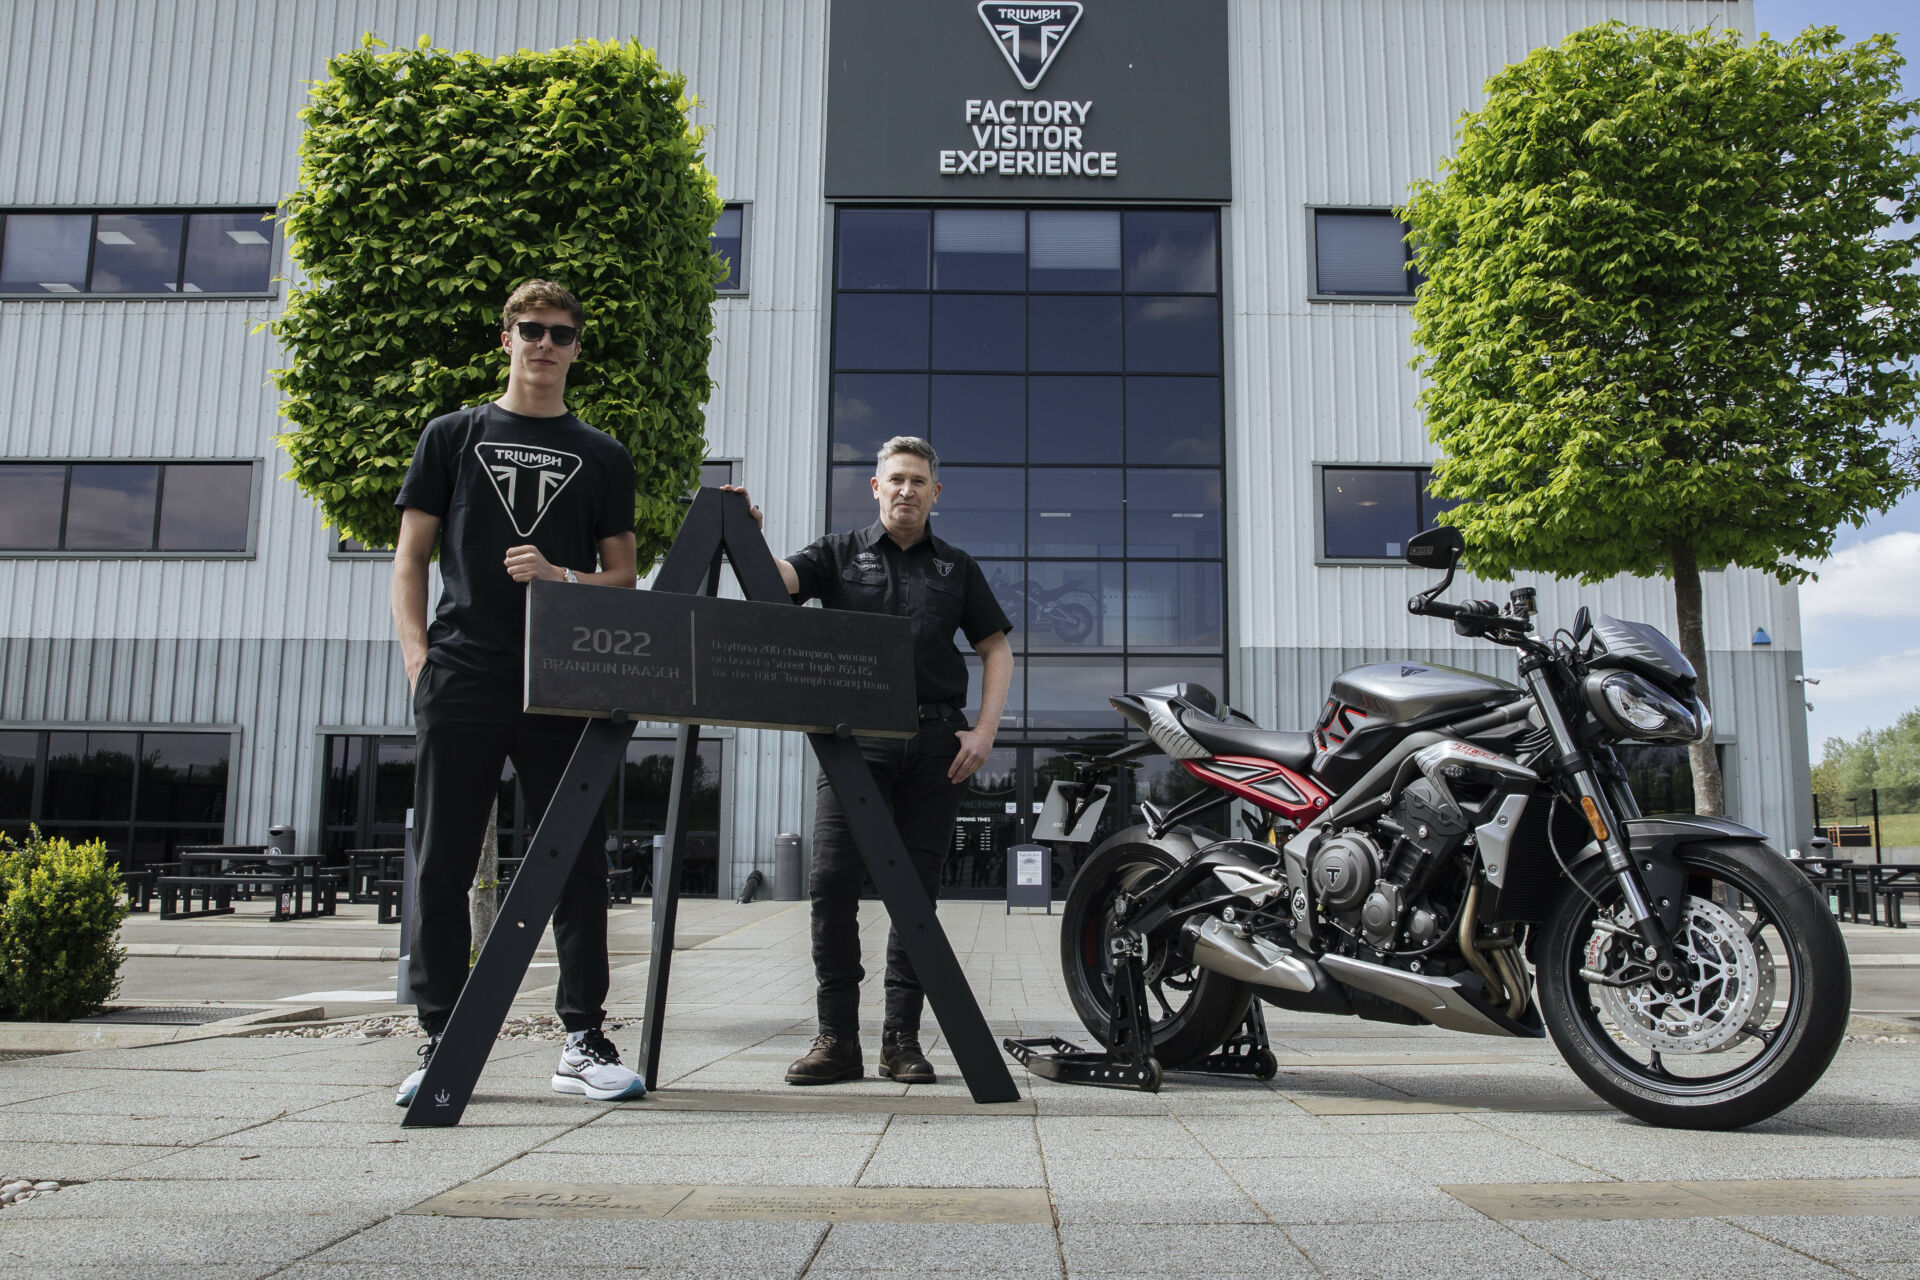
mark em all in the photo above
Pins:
pixel 1656 843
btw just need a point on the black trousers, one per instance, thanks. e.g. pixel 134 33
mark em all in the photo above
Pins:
pixel 912 776
pixel 465 726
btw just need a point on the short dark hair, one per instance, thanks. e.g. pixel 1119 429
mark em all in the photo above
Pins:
pixel 540 295
pixel 908 444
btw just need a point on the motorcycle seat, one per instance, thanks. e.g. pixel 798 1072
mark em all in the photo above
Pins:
pixel 1290 748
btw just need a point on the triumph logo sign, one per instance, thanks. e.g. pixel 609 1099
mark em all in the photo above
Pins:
pixel 526 479
pixel 1029 36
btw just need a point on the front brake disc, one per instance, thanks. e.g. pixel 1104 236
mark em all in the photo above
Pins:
pixel 1731 987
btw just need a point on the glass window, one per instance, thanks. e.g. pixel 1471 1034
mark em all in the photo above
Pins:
pixel 393 780
pixel 205 507
pixel 110 507
pixel 1072 693
pixel 981 510
pixel 1170 252
pixel 1074 606
pixel 1174 420
pixel 983 331
pixel 871 408
pixel 1362 254
pixel 137 252
pixel 883 249
pixel 1014 714
pixel 1174 606
pixel 1369 512
pixel 1073 419
pixel 715 472
pixel 1660 777
pixel 45 252
pixel 979 249
pixel 1073 251
pixel 31 495
pixel 183 777
pixel 341 797
pixel 1430 506
pixel 1006 579
pixel 880 332
pixel 1073 335
pixel 1163 782
pixel 727 237
pixel 1075 512
pixel 1173 513
pixel 853 505
pixel 1157 673
pixel 229 253
pixel 979 418
pixel 1173 335
pixel 19 757
pixel 89 776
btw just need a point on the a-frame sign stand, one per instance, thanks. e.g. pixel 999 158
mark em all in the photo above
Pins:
pixel 717 524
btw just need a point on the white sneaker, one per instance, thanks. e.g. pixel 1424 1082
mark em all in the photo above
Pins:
pixel 411 1085
pixel 591 1065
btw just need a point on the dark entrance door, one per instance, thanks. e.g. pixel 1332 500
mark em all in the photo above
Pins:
pixel 998 811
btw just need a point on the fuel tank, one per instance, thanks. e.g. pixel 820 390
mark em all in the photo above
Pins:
pixel 1393 692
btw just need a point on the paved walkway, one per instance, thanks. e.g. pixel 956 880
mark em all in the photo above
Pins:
pixel 1378 1151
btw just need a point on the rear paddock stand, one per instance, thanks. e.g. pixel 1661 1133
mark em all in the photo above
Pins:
pixel 1129 1063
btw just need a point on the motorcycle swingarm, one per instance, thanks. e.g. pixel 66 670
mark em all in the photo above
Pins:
pixel 1156 911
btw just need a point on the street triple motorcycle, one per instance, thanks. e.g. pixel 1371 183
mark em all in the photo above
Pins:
pixel 1450 848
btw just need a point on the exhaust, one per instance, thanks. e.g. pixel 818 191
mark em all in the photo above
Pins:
pixel 1216 947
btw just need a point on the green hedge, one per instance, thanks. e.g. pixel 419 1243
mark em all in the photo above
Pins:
pixel 60 913
pixel 432 183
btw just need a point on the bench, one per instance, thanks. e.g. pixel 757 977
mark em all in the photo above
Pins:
pixel 176 893
pixel 387 895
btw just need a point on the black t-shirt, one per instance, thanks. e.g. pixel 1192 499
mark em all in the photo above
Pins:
pixel 932 582
pixel 499 480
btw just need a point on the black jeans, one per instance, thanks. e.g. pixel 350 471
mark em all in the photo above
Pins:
pixel 465 726
pixel 912 776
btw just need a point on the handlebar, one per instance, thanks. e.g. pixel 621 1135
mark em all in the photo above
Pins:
pixel 1441 609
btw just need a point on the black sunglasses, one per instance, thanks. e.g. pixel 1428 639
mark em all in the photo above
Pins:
pixel 533 331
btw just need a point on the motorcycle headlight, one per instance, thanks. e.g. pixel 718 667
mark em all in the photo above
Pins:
pixel 1636 710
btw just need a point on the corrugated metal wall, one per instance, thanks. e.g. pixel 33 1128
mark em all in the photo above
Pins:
pixel 1344 102
pixel 195 102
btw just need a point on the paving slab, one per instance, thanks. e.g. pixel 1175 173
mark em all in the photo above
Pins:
pixel 1168 1249
pixel 1696 1249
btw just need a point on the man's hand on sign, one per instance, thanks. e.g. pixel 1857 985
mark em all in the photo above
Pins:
pixel 751 509
pixel 975 746
pixel 524 564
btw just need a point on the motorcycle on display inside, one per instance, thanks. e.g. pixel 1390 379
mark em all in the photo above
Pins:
pixel 1451 848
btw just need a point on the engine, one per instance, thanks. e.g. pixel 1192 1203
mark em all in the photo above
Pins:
pixel 1373 881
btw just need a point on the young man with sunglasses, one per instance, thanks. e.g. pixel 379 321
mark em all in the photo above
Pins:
pixel 510 491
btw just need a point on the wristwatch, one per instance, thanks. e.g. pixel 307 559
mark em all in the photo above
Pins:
pixel 571 575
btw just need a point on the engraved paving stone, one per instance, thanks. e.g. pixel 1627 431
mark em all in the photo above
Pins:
pixel 491 1199
pixel 1821 1197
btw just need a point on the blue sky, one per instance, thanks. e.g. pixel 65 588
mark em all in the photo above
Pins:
pixel 1861 621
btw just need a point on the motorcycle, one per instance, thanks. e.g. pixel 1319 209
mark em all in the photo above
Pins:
pixel 1068 610
pixel 1449 848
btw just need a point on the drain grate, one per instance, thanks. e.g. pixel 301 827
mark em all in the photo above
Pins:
pixel 172 1015
pixel 17 1055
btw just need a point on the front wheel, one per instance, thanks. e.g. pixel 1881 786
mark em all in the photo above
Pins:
pixel 1767 1007
pixel 1192 1009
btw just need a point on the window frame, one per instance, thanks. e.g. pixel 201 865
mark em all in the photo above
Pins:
pixel 1313 259
pixel 1321 558
pixel 744 263
pixel 255 489
pixel 275 251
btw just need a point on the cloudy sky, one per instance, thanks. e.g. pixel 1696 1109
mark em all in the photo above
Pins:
pixel 1861 620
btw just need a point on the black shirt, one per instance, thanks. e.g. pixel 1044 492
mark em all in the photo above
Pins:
pixel 498 480
pixel 932 582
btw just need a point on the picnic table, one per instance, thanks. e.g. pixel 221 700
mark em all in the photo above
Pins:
pixel 300 882
pixel 1879 887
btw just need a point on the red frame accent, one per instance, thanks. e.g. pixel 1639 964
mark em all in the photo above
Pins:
pixel 1314 800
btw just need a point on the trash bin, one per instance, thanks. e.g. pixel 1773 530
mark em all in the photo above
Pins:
pixel 280 840
pixel 786 867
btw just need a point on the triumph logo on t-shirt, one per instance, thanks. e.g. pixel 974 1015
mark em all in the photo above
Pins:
pixel 527 477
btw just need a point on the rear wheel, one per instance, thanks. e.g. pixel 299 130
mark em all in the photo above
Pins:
pixel 1193 1010
pixel 1767 1007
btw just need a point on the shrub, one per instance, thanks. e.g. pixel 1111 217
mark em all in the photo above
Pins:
pixel 60 911
pixel 432 183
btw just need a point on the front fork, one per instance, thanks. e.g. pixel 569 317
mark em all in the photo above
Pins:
pixel 1655 943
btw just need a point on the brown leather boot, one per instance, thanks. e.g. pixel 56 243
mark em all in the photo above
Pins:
pixel 831 1060
pixel 902 1060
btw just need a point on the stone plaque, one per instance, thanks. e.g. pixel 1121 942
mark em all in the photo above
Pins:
pixel 1758 1197
pixel 498 1199
pixel 662 656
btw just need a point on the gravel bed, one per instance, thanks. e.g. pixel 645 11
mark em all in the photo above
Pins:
pixel 539 1026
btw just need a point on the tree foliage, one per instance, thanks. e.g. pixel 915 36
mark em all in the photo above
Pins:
pixel 60 914
pixel 1667 307
pixel 1886 760
pixel 431 183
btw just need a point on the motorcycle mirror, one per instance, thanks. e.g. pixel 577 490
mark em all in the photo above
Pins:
pixel 1438 548
pixel 1582 623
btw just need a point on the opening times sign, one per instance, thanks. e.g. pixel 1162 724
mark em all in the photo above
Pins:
pixel 1078 99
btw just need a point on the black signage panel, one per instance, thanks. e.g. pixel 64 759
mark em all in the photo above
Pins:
pixel 697 659
pixel 1080 100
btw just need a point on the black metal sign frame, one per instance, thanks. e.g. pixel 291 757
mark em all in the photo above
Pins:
pixel 717 524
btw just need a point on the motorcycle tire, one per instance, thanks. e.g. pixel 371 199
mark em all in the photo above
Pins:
pixel 1194 1010
pixel 1072 623
pixel 1614 1037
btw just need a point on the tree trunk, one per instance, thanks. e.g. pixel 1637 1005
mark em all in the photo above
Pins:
pixel 1709 790
pixel 483 901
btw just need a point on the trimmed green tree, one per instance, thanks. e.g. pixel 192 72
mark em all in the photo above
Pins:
pixel 60 914
pixel 1670 313
pixel 432 183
